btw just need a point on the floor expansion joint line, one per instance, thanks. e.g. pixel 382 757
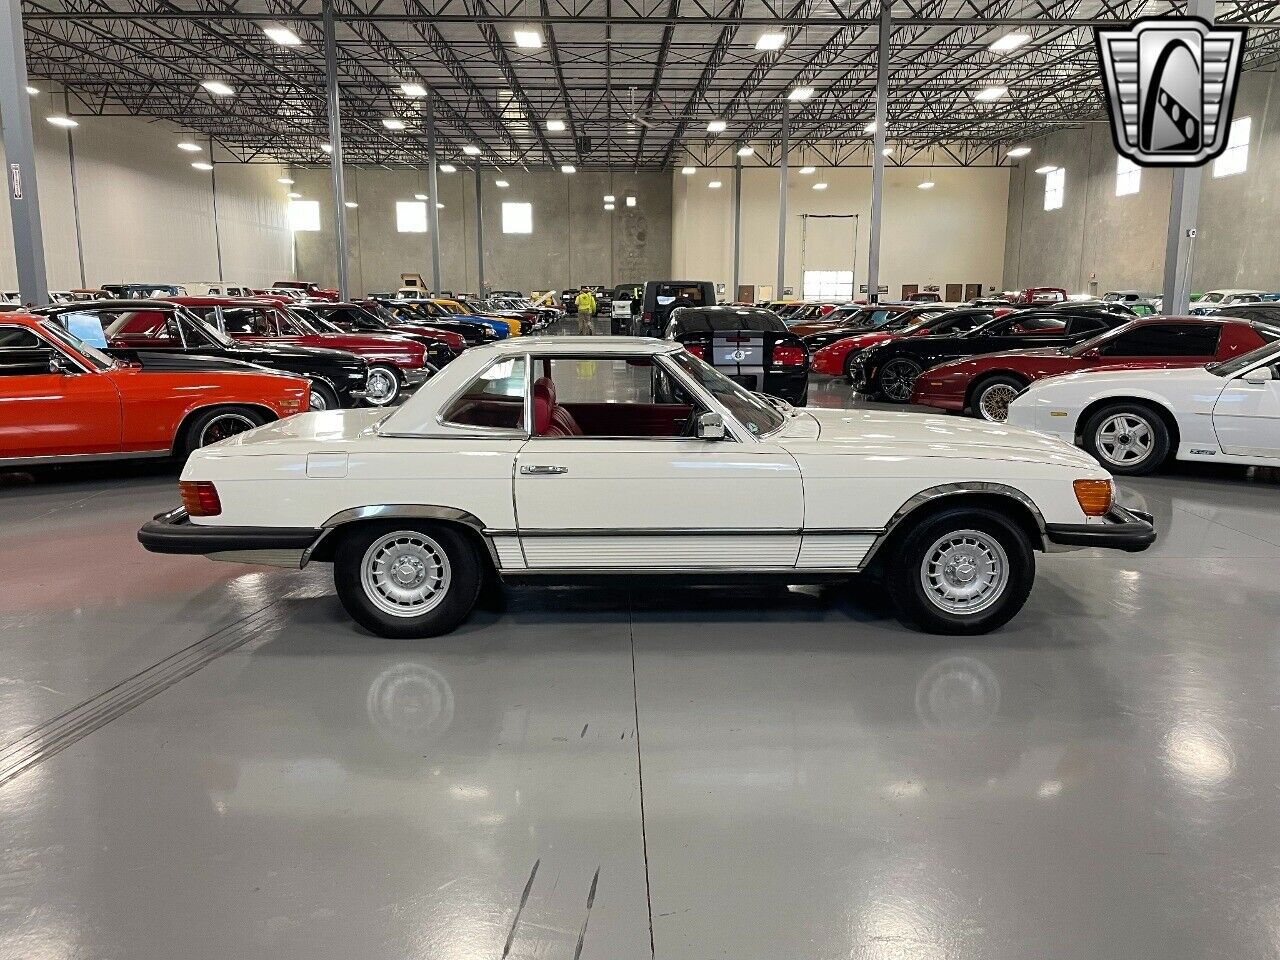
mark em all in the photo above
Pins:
pixel 644 836
pixel 76 723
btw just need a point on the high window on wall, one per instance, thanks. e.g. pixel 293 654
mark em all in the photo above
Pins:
pixel 304 215
pixel 1128 177
pixel 1235 159
pixel 1055 189
pixel 411 216
pixel 517 218
pixel 828 284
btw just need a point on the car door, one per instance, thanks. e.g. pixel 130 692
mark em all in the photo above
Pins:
pixel 1246 416
pixel 623 488
pixel 73 411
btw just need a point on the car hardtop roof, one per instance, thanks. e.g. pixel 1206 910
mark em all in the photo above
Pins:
pixel 578 346
pixel 113 304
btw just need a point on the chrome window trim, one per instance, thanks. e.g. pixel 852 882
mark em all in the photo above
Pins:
pixel 59 349
pixel 509 433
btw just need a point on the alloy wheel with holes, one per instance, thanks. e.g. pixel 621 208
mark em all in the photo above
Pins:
pixel 382 387
pixel 219 424
pixel 964 570
pixel 994 397
pixel 1127 439
pixel 407 579
pixel 898 378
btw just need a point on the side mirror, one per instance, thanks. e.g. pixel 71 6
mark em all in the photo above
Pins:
pixel 1259 375
pixel 710 426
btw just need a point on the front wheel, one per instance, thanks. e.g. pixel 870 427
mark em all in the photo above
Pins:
pixel 962 572
pixel 1127 438
pixel 323 396
pixel 406 580
pixel 898 379
pixel 382 388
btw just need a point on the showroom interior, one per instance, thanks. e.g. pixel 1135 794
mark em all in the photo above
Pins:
pixel 398 558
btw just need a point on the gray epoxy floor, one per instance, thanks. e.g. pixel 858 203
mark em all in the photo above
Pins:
pixel 748 774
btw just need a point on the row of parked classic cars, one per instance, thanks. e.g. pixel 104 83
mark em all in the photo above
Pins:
pixel 151 370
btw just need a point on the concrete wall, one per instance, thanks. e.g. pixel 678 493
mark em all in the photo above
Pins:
pixel 1118 242
pixel 574 240
pixel 953 233
pixel 145 214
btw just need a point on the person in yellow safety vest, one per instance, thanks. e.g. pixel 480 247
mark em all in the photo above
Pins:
pixel 586 305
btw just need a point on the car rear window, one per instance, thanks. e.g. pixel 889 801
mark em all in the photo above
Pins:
pixel 669 293
pixel 708 321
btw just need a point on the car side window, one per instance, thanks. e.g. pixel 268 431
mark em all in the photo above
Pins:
pixel 1165 340
pixel 493 400
pixel 608 397
pixel 15 338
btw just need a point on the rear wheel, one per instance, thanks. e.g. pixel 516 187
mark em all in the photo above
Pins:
pixel 382 388
pixel 219 424
pixel 1127 438
pixel 407 580
pixel 323 396
pixel 991 397
pixel 848 365
pixel 897 379
pixel 963 571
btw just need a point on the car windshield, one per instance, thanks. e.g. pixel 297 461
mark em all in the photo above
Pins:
pixel 91 353
pixel 752 411
pixel 310 321
pixel 200 332
pixel 1229 368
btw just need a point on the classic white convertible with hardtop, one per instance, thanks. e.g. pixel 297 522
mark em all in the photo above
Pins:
pixel 559 460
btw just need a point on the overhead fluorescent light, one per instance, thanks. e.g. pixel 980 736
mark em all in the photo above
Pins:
pixel 326 147
pixel 420 196
pixel 471 150
pixel 800 93
pixel 805 171
pixel 555 126
pixel 870 127
pixel 448 168
pixel 609 198
pixel 1010 41
pixel 717 126
pixel 771 41
pixel 350 204
pixel 988 94
pixel 609 206
pixel 887 150
pixel 285 180
pixel 391 123
pixel 290 195
pixel 528 39
pixel 820 186
pixel 60 121
pixel 439 206
pixel 925 185
pixel 746 151
pixel 631 201
pixel 412 89
pixel 202 165
pixel 568 168
pixel 1018 152
pixel 688 170
pixel 34 91
pixel 501 183
pixel 283 36
pixel 218 88
pixel 714 184
pixel 190 147
pixel 1047 168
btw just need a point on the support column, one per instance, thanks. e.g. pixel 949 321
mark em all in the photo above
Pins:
pixel 479 231
pixel 1184 206
pixel 20 157
pixel 877 159
pixel 433 198
pixel 782 198
pixel 335 156
pixel 737 227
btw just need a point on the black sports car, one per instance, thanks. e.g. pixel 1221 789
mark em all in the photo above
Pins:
pixel 152 332
pixel 888 371
pixel 749 345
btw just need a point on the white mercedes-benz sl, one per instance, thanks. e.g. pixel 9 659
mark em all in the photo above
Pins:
pixel 561 460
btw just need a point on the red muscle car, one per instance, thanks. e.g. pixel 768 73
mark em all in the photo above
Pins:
pixel 833 359
pixel 312 291
pixel 394 362
pixel 984 385
pixel 63 400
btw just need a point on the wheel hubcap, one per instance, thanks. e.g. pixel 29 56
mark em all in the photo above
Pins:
pixel 1125 439
pixel 994 405
pixel 898 379
pixel 226 425
pixel 380 388
pixel 405 573
pixel 965 572
pixel 318 401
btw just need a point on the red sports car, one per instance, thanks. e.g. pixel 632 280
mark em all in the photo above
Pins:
pixel 833 359
pixel 984 385
pixel 313 291
pixel 394 362
pixel 64 401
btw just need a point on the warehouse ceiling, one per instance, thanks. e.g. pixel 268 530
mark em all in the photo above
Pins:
pixel 633 82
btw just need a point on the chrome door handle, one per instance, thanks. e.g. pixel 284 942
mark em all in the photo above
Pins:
pixel 543 471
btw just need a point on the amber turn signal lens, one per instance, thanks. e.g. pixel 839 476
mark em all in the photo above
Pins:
pixel 1094 496
pixel 200 497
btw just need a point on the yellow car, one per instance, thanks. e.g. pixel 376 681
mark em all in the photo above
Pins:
pixel 456 307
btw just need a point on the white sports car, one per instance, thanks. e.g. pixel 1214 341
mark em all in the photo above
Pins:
pixel 554 460
pixel 1132 420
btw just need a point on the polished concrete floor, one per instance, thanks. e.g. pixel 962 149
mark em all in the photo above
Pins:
pixel 202 760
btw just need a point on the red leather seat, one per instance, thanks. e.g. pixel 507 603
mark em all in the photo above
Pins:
pixel 549 418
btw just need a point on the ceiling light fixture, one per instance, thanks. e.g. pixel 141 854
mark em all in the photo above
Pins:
pixel 471 150
pixel 448 168
pixel 988 94
pixel 528 39
pixel 608 206
pixel 1047 168
pixel 805 171
pixel 439 206
pixel 283 36
pixel 1018 152
pixel 820 186
pixel 34 91
pixel 501 183
pixel 555 126
pixel 925 185
pixel 326 148
pixel 391 123
pixel 285 180
pixel 1009 42
pixel 218 88
pixel 61 121
pixel 800 93
pixel 202 165
pixel 870 127
pixel 746 151
pixel 291 195
pixel 420 196
pixel 411 89
pixel 609 198
pixel 350 204
pixel 714 184
pixel 717 126
pixel 189 146
pixel 568 168
pixel 771 41
pixel 631 201
pixel 886 151
pixel 687 171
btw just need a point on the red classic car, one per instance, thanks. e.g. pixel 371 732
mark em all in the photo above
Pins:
pixel 833 359
pixel 983 386
pixel 394 362
pixel 63 400
pixel 312 291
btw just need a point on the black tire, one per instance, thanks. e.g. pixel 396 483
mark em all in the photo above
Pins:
pixel 893 376
pixel 991 395
pixel 976 529
pixel 848 366
pixel 383 373
pixel 323 396
pixel 217 424
pixel 1147 445
pixel 462 574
